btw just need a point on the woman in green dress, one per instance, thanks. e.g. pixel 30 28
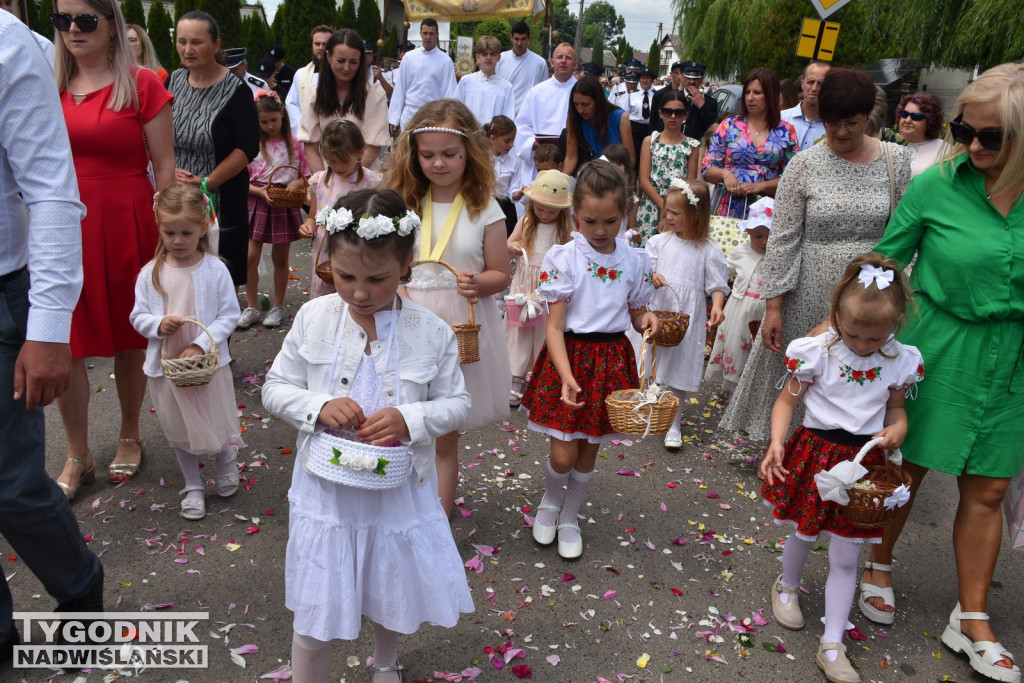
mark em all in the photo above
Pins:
pixel 965 219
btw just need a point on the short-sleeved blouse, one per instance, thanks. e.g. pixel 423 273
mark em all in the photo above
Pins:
pixel 600 290
pixel 374 124
pixel 261 167
pixel 848 391
pixel 733 149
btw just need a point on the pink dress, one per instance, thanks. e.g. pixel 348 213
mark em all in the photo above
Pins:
pixel 327 190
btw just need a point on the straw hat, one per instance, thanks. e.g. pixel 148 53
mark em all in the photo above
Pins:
pixel 551 188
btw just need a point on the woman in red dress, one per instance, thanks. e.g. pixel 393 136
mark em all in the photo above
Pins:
pixel 117 116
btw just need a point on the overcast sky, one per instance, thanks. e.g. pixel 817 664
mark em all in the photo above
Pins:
pixel 642 17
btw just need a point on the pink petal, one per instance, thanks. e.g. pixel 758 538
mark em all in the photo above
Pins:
pixel 553 659
pixel 567 577
pixel 484 550
pixel 609 595
pixel 475 564
pixel 627 473
pixel 522 671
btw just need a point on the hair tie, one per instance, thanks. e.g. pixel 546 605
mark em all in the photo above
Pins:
pixel 685 188
pixel 882 277
pixel 267 93
pixel 438 129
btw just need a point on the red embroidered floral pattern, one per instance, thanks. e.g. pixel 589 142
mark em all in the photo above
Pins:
pixel 920 372
pixel 548 275
pixel 602 273
pixel 860 376
pixel 792 364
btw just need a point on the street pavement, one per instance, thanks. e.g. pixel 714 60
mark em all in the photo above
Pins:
pixel 673 584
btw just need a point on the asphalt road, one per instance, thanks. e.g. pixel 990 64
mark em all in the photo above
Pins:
pixel 680 554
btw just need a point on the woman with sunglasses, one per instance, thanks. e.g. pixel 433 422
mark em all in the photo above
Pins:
pixel 117 115
pixel 664 156
pixel 964 218
pixel 920 123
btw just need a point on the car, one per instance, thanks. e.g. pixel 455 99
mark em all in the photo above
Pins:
pixel 728 98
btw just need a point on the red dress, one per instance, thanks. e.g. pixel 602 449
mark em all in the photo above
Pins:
pixel 119 233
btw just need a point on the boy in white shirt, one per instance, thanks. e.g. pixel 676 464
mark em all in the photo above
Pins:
pixel 485 93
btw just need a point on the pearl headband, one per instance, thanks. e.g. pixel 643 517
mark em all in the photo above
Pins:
pixel 438 129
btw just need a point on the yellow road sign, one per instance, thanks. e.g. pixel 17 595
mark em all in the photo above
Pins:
pixel 818 39
pixel 827 7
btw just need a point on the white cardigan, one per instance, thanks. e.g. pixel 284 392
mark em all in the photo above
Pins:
pixel 433 391
pixel 216 307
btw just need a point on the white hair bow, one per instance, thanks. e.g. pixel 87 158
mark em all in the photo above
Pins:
pixel 882 277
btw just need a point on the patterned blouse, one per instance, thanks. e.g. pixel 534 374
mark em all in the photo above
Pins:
pixel 733 149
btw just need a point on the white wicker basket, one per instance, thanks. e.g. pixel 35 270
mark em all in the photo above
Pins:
pixel 321 460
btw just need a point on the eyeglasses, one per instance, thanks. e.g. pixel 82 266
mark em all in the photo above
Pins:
pixel 673 112
pixel 850 126
pixel 989 138
pixel 86 23
pixel 912 115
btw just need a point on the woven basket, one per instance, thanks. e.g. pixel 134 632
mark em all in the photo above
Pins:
pixel 467 334
pixel 283 197
pixel 323 269
pixel 866 509
pixel 322 461
pixel 673 325
pixel 624 411
pixel 194 371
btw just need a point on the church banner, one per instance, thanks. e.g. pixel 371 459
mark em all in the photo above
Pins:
pixel 471 10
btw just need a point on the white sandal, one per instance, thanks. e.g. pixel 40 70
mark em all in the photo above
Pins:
pixel 397 668
pixel 867 590
pixel 984 664
pixel 193 507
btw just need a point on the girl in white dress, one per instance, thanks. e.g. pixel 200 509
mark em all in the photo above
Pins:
pixel 185 281
pixel 688 266
pixel 545 224
pixel 733 339
pixel 508 188
pixel 382 373
pixel 441 165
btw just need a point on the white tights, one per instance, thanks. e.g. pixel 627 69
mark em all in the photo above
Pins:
pixel 312 657
pixel 678 420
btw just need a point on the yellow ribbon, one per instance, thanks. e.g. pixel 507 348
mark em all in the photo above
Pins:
pixel 428 253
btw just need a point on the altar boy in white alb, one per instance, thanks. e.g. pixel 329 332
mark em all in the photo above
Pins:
pixel 545 108
pixel 485 93
pixel 520 66
pixel 427 74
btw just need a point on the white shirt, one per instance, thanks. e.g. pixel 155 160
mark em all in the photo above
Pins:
pixel 522 72
pixel 47 47
pixel 426 76
pixel 486 97
pixel 255 83
pixel 619 96
pixel 507 169
pixel 635 104
pixel 305 78
pixel 848 391
pixel 36 172
pixel 807 131
pixel 600 290
pixel 544 112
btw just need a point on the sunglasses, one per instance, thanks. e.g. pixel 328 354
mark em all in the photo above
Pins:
pixel 912 115
pixel 673 112
pixel 86 23
pixel 989 138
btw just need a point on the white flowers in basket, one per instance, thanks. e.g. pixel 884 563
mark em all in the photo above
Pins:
pixel 359 462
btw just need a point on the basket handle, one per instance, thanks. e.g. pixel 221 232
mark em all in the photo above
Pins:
pixel 298 170
pixel 213 344
pixel 443 264
pixel 679 300
pixel 894 456
pixel 648 342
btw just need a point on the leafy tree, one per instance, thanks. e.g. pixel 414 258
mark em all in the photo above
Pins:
pixel 368 20
pixel 159 29
pixel 654 57
pixel 603 14
pixel 623 51
pixel 228 15
pixel 277 29
pixel 499 28
pixel 391 43
pixel 257 38
pixel 293 22
pixel 183 6
pixel 133 12
pixel 347 17
pixel 564 21
pixel 597 49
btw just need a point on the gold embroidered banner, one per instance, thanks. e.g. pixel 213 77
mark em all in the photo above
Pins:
pixel 471 10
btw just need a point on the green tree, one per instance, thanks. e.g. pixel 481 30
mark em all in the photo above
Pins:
pixel 391 43
pixel 159 29
pixel 623 51
pixel 347 17
pixel 603 14
pixel 597 49
pixel 564 21
pixel 133 12
pixel 228 15
pixel 257 37
pixel 37 22
pixel 654 57
pixel 499 28
pixel 368 20
pixel 181 7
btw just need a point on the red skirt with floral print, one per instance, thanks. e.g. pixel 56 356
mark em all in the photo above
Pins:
pixel 796 499
pixel 600 367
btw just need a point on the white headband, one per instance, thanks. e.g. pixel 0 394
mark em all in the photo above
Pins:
pixel 684 186
pixel 438 129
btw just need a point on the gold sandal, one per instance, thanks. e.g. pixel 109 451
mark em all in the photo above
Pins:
pixel 87 476
pixel 126 469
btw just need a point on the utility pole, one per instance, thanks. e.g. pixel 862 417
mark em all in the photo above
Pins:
pixel 659 33
pixel 579 30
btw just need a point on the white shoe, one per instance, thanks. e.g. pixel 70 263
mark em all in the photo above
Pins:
pixel 985 664
pixel 193 505
pixel 787 614
pixel 673 440
pixel 839 671
pixel 867 590
pixel 274 317
pixel 544 534
pixel 249 317
pixel 570 550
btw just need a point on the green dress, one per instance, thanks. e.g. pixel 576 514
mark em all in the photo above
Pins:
pixel 969 288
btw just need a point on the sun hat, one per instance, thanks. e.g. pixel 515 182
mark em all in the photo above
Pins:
pixel 551 188
pixel 760 215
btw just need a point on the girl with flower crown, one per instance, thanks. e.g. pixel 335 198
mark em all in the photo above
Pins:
pixel 688 266
pixel 371 380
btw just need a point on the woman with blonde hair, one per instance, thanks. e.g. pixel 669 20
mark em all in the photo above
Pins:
pixel 964 218
pixel 118 118
pixel 143 51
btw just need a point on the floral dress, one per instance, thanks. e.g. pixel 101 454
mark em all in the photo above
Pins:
pixel 668 162
pixel 734 150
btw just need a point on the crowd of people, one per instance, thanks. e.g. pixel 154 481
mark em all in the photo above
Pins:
pixel 548 213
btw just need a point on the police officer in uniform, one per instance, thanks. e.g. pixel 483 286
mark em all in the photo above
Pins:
pixel 618 94
pixel 283 74
pixel 640 104
pixel 235 61
pixel 703 107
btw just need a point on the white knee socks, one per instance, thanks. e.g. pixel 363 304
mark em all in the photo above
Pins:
pixel 794 557
pixel 574 495
pixel 840 587
pixel 189 464
pixel 554 483
pixel 310 659
pixel 678 420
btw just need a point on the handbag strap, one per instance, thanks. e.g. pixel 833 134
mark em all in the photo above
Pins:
pixel 892 176
pixel 138 111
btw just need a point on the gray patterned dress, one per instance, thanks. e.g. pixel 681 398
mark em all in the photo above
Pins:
pixel 827 211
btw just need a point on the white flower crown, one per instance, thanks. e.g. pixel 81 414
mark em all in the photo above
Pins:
pixel 369 227
pixel 684 186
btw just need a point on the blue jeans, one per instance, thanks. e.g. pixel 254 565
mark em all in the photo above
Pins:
pixel 35 517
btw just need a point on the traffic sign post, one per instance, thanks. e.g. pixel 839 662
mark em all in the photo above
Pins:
pixel 818 40
pixel 827 7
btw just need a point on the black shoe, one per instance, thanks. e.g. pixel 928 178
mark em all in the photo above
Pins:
pixel 7 647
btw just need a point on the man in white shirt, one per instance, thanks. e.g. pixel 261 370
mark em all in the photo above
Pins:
pixel 485 93
pixel 306 77
pixel 521 67
pixel 41 230
pixel 639 107
pixel 804 116
pixel 545 109
pixel 427 74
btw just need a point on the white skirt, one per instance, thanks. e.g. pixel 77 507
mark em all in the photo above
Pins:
pixel 386 555
pixel 201 420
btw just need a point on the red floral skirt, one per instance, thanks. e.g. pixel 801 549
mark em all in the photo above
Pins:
pixel 796 499
pixel 599 367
